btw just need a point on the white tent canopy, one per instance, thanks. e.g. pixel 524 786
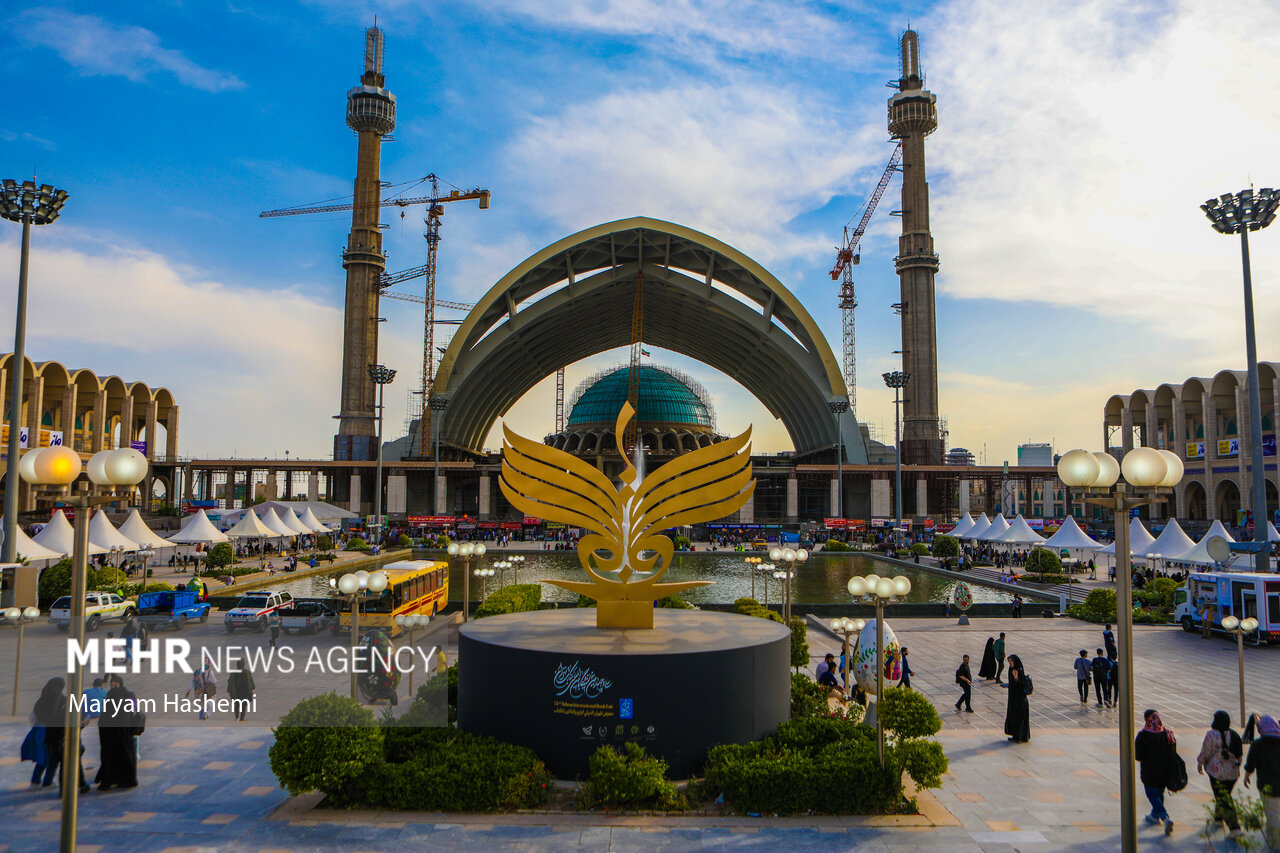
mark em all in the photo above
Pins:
pixel 1170 544
pixel 309 519
pixel 979 527
pixel 136 529
pixel 290 520
pixel 103 532
pixel 1070 536
pixel 1200 553
pixel 251 527
pixel 270 519
pixel 31 549
pixel 995 531
pixel 1272 535
pixel 198 530
pixel 58 536
pixel 1216 529
pixel 1020 533
pixel 1139 538
pixel 963 526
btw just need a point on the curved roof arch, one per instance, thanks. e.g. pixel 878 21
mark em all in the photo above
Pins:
pixel 702 298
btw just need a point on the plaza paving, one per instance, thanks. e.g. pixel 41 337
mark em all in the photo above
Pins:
pixel 209 788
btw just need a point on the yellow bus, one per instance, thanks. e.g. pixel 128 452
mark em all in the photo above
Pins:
pixel 413 586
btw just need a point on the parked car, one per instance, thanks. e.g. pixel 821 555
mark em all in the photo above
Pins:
pixel 171 609
pixel 253 609
pixel 308 616
pixel 98 608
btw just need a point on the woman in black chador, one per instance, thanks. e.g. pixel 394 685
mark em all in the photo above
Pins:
pixel 118 729
pixel 988 668
pixel 1017 717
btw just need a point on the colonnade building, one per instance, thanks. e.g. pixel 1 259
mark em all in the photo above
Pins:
pixel 1206 422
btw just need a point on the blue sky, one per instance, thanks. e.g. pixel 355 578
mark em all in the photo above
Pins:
pixel 1073 149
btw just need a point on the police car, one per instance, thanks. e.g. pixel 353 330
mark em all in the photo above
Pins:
pixel 255 608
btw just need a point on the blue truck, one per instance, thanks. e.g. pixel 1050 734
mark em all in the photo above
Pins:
pixel 171 609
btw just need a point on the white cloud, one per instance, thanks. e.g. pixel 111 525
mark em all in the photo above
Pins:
pixel 96 46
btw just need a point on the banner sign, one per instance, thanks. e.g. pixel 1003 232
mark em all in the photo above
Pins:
pixel 928 522
pixel 46 438
pixel 1228 446
pixel 510 525
pixel 944 528
pixel 431 519
pixel 196 506
pixel 1035 523
pixel 529 519
pixel 140 446
pixel 488 525
pixel 1195 449
pixel 840 523
pixel 1269 444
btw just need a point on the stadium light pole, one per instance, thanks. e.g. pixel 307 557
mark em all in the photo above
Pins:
pixel 30 205
pixel 437 404
pixel 897 380
pixel 1240 214
pixel 381 376
pixel 838 408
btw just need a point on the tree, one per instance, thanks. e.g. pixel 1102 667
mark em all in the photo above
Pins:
pixel 324 542
pixel 946 547
pixel 220 555
pixel 1043 561
pixel 799 643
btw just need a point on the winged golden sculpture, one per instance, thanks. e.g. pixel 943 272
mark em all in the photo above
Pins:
pixel 623 553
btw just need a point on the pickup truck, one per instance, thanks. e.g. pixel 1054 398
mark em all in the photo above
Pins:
pixel 308 616
pixel 98 608
pixel 254 608
pixel 171 609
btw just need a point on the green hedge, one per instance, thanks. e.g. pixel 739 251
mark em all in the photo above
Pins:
pixel 673 602
pixel 1049 578
pixel 1044 562
pixel 835 545
pixel 220 555
pixel 946 547
pixel 751 607
pixel 799 643
pixel 55 581
pixel 629 778
pixel 808 697
pixel 909 714
pixel 324 542
pixel 325 743
pixel 1099 606
pixel 517 598
pixel 920 548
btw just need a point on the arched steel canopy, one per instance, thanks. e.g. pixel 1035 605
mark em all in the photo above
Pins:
pixel 574 299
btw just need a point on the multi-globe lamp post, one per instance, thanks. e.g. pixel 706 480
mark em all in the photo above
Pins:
pixel 879 591
pixel 1239 214
pixel 789 558
pixel 466 550
pixel 515 563
pixel 897 380
pixel 19 616
pixel 502 566
pixel 753 566
pixel 412 622
pixel 381 376
pixel 1240 627
pixel 29 205
pixel 846 627
pixel 53 470
pixel 353 585
pixel 1149 477
pixel 484 575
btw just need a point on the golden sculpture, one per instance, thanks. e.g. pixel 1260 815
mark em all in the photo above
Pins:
pixel 701 485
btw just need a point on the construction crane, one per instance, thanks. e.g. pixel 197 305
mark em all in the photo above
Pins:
pixel 427 271
pixel 846 258
pixel 630 435
pixel 560 400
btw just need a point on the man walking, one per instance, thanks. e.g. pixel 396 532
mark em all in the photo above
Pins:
pixel 965 679
pixel 998 648
pixel 906 670
pixel 1082 676
pixel 1101 670
pixel 1109 642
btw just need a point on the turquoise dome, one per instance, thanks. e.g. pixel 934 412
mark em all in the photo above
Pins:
pixel 664 399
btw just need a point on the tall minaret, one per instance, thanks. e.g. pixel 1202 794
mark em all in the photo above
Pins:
pixel 371 113
pixel 912 117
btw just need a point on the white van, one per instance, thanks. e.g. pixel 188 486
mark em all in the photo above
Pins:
pixel 1238 594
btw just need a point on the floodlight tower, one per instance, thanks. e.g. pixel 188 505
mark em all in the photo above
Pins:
pixel 913 116
pixel 371 113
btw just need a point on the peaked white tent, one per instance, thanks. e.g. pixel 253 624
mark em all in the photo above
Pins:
pixel 979 527
pixel 1272 534
pixel 1199 554
pixel 1139 538
pixel 31 549
pixel 58 536
pixel 136 529
pixel 963 526
pixel 270 519
pixel 103 532
pixel 1170 544
pixel 290 520
pixel 1020 533
pixel 251 527
pixel 995 531
pixel 1070 536
pixel 309 519
pixel 1216 529
pixel 197 531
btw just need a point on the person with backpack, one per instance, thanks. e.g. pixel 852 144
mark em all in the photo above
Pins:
pixel 1017 716
pixel 1221 755
pixel 1156 751
pixel 1083 670
pixel 1100 667
pixel 1109 641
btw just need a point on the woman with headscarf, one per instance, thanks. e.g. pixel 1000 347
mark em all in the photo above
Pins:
pixel 1220 754
pixel 987 670
pixel 1154 749
pixel 1017 716
pixel 53 716
pixel 34 748
pixel 118 729
pixel 1264 759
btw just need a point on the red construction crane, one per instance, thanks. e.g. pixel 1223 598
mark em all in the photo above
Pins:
pixel 846 258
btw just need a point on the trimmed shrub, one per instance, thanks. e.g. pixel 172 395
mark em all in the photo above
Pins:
pixel 442 541
pixel 673 602
pixel 55 581
pixel 946 547
pixel 1037 577
pixel 324 542
pixel 403 541
pixel 808 697
pixel 835 545
pixel 220 555
pixel 920 548
pixel 517 598
pixel 682 543
pixel 1098 606
pixel 236 572
pixel 357 543
pixel 909 714
pixel 1045 562
pixel 109 578
pixel 324 743
pixel 629 778
pixel 799 643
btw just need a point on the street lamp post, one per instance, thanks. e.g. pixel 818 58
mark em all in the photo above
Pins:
pixel 847 627
pixel 353 585
pixel 19 616
pixel 484 575
pixel 56 468
pixel 838 408
pixel 788 557
pixel 502 566
pixel 880 591
pixel 897 380
pixel 437 404
pixel 381 376
pixel 1239 627
pixel 1240 214
pixel 29 205
pixel 466 550
pixel 515 568
pixel 1149 475
pixel 753 565
pixel 412 622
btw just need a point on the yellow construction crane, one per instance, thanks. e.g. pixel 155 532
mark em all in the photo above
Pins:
pixel 435 210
